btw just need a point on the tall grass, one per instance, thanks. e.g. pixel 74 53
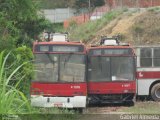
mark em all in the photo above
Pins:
pixel 12 101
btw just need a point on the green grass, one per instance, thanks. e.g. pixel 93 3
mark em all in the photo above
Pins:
pixel 143 108
pixel 88 30
pixel 11 99
pixel 57 27
pixel 153 9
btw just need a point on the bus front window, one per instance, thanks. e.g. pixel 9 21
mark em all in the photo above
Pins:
pixel 72 68
pixel 46 67
pixel 122 68
pixel 59 68
pixel 106 68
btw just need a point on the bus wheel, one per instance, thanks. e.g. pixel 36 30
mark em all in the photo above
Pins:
pixel 79 110
pixel 129 103
pixel 155 92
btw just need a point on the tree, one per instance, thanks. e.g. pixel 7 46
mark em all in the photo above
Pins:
pixel 98 3
pixel 85 3
pixel 20 22
pixel 52 4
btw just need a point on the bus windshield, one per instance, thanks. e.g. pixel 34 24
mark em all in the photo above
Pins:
pixel 104 68
pixel 68 67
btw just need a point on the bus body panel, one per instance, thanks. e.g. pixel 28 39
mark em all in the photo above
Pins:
pixel 148 69
pixel 145 78
pixel 112 87
pixel 143 86
pixel 59 89
pixel 65 102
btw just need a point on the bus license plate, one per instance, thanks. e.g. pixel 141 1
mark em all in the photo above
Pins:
pixel 58 104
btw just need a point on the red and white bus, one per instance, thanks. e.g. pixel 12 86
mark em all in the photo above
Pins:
pixel 60 77
pixel 148 71
pixel 111 73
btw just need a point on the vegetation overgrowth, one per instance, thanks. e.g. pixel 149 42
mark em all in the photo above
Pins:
pixel 12 100
pixel 87 30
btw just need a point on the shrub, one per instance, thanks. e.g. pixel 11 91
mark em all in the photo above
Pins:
pixel 20 56
pixel 23 55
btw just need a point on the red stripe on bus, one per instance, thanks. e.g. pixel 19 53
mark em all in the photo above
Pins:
pixel 58 89
pixel 148 74
pixel 111 87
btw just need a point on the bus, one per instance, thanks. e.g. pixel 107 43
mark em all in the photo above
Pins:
pixel 148 71
pixel 60 74
pixel 111 73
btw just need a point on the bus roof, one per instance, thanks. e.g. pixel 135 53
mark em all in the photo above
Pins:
pixel 58 43
pixel 110 50
pixel 59 47
pixel 147 46
pixel 110 47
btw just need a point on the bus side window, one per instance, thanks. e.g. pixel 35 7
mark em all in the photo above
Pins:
pixel 146 57
pixel 156 57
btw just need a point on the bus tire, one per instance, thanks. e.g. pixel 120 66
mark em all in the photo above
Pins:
pixel 79 110
pixel 155 92
pixel 129 103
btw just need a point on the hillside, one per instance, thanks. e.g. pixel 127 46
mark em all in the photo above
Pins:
pixel 137 27
pixel 140 27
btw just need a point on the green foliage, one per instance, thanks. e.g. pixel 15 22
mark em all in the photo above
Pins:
pixel 85 3
pixel 154 9
pixel 20 56
pixel 97 2
pixel 20 23
pixel 52 4
pixel 8 33
pixel 24 55
pixel 78 4
pixel 11 99
pixel 31 29
pixel 56 27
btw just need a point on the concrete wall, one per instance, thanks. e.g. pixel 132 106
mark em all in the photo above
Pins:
pixel 58 15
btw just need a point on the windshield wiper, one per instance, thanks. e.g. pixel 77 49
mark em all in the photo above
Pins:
pixel 100 62
pixel 68 58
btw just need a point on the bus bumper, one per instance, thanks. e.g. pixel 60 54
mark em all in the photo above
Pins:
pixel 65 102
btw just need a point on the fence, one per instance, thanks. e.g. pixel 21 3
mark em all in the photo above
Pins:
pixel 111 4
pixel 96 14
pixel 78 19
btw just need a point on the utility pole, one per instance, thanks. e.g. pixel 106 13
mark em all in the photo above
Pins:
pixel 121 4
pixel 89 5
pixel 138 5
pixel 151 3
